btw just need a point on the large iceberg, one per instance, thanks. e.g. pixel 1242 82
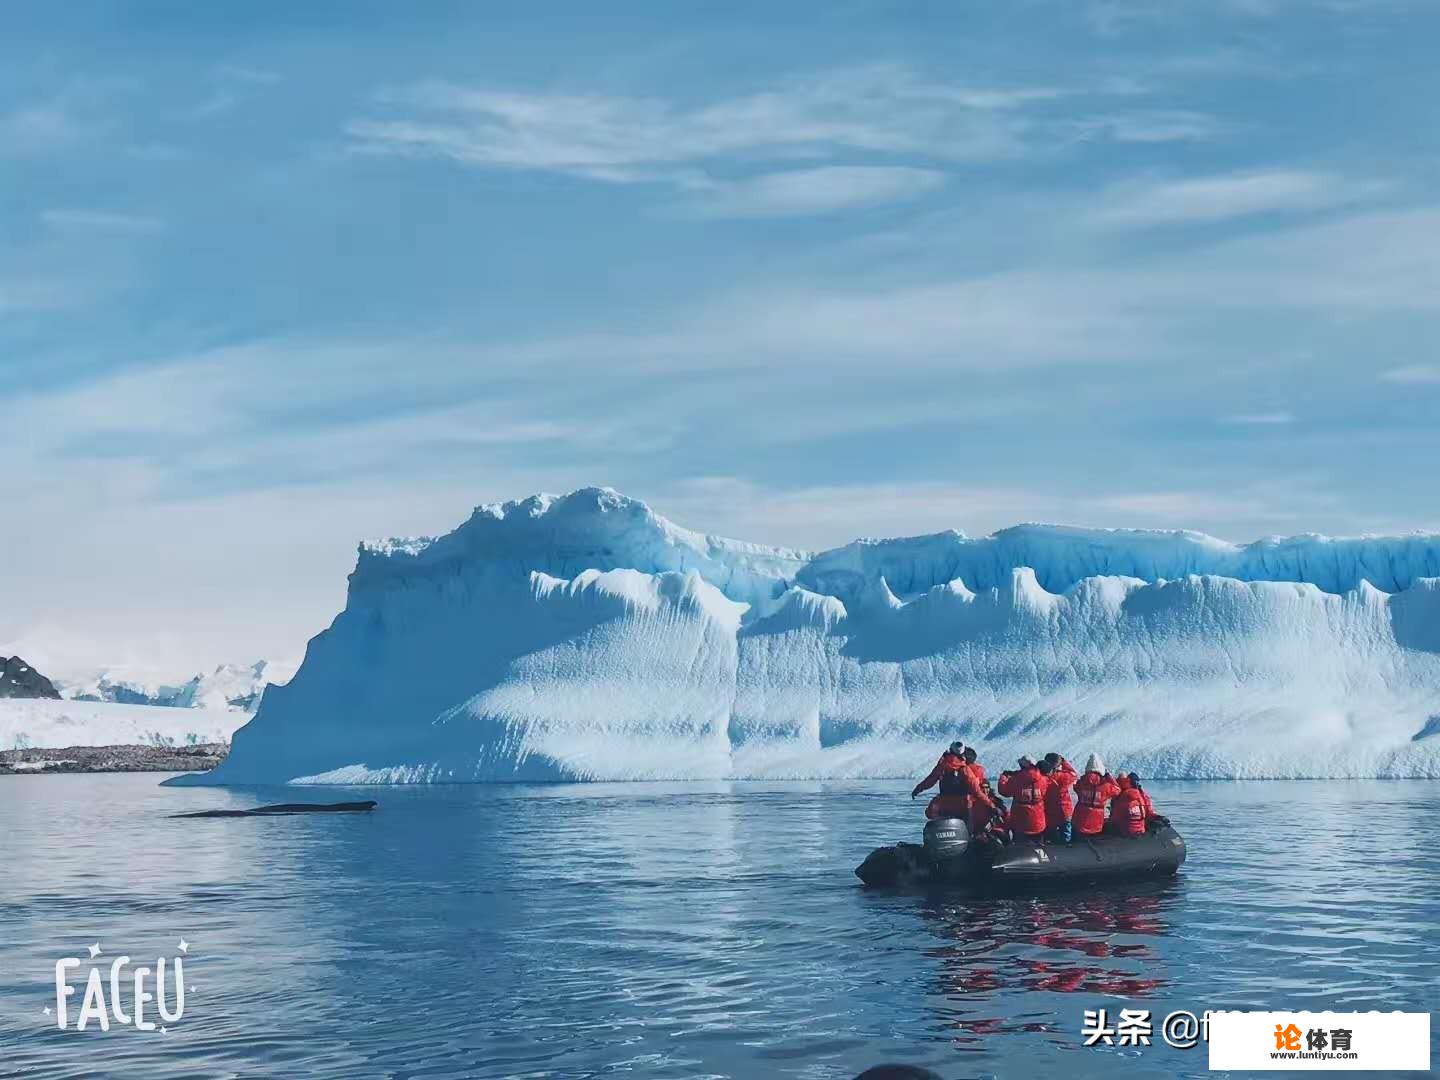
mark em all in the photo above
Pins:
pixel 586 637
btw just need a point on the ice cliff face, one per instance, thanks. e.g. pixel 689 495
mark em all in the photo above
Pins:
pixel 585 637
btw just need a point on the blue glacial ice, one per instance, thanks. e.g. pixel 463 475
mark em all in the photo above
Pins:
pixel 586 637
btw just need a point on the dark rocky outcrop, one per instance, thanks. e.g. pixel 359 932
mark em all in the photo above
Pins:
pixel 89 759
pixel 19 680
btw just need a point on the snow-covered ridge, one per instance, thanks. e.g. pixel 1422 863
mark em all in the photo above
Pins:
pixel 599 528
pixel 586 637
pixel 590 529
pixel 237 687
pixel 1063 556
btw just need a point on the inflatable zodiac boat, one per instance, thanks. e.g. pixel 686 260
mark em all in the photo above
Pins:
pixel 948 857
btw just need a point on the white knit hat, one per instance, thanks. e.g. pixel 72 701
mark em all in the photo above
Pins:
pixel 1095 764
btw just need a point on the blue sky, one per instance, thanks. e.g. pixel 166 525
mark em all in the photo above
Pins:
pixel 273 280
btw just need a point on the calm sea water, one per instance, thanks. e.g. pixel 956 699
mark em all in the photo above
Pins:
pixel 680 930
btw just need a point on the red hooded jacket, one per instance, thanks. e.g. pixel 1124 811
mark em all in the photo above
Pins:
pixel 952 763
pixel 1092 792
pixel 982 808
pixel 960 793
pixel 1129 812
pixel 1059 800
pixel 1028 788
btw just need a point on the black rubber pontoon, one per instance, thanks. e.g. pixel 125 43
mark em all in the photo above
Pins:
pixel 949 858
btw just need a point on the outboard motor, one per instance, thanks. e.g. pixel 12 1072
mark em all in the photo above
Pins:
pixel 946 839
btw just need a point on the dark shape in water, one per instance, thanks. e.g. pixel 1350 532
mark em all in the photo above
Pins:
pixel 288 808
pixel 948 858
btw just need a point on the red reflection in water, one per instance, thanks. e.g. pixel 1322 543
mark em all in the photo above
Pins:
pixel 1064 944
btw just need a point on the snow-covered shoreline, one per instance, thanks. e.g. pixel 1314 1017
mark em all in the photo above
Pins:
pixel 35 723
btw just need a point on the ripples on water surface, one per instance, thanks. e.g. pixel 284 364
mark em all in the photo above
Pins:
pixel 680 930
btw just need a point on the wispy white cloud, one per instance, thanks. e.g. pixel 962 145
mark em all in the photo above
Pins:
pixel 100 219
pixel 1065 313
pixel 1062 314
pixel 874 110
pixel 213 104
pixel 1205 199
pixel 36 128
pixel 1148 126
pixel 1414 375
pixel 1116 16
pixel 32 293
pixel 820 190
pixel 1259 419
pixel 247 415
pixel 878 109
pixel 232 391
pixel 246 74
pixel 233 84
pixel 862 114
pixel 1377 260
pixel 994 322
pixel 73 114
pixel 1225 62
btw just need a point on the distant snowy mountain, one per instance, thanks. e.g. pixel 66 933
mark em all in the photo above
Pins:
pixel 586 637
pixel 229 686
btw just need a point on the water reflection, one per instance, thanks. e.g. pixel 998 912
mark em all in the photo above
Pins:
pixel 991 949
pixel 681 930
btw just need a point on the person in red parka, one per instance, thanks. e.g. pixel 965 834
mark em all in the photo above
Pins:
pixel 985 805
pixel 982 806
pixel 1060 799
pixel 1149 806
pixel 1093 790
pixel 951 760
pixel 975 767
pixel 956 785
pixel 1027 789
pixel 1151 817
pixel 1130 811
